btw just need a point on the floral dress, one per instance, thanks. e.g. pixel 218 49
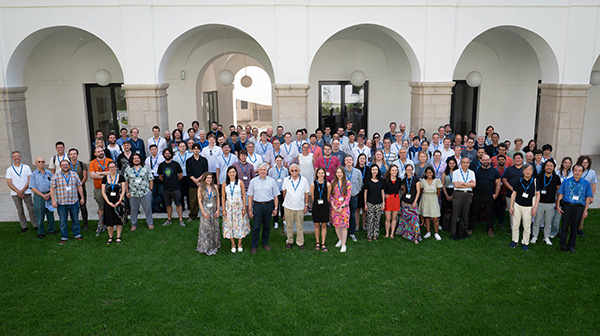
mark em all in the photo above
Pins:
pixel 337 199
pixel 209 239
pixel 235 226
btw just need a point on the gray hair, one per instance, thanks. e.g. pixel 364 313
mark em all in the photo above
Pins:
pixel 263 164
pixel 294 165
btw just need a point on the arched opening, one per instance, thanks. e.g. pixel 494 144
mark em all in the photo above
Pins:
pixel 58 67
pixel 512 62
pixel 388 63
pixel 590 136
pixel 191 65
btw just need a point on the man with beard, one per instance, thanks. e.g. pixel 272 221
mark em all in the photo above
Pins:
pixel 123 158
pixel 485 192
pixel 170 173
pixel 500 203
pixel 99 169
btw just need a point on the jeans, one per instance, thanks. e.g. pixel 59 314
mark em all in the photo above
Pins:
pixel 545 212
pixel 63 212
pixel 39 204
pixel 146 202
pixel 555 231
pixel 353 205
pixel 261 218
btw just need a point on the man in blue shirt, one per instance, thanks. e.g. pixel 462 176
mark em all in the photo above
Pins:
pixel 574 197
pixel 40 186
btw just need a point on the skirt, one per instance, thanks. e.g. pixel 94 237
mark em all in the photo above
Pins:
pixel 408 222
pixel 392 203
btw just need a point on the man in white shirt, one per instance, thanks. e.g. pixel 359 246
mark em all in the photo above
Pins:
pixel 263 146
pixel 349 144
pixel 272 154
pixel 295 195
pixel 388 155
pixel 299 141
pixel 212 152
pixel 402 162
pixel 115 150
pixel 157 140
pixel 447 151
pixel 435 143
pixel 224 162
pixel 395 147
pixel 17 179
pixel 464 182
pixel 56 159
pixel 361 149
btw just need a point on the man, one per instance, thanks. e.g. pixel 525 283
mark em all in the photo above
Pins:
pixel 500 203
pixel 299 141
pixel 214 130
pixel 327 134
pixel 153 161
pixel 114 149
pixel 81 169
pixel 263 204
pixel 392 133
pixel 180 127
pixel 529 157
pixel 123 158
pixel 402 162
pixel 478 160
pixel 464 182
pixel 248 129
pixel 201 139
pixel 99 169
pixel 320 140
pixel 448 129
pixel 349 126
pixel 241 143
pixel 547 151
pixel 244 169
pixel 574 197
pixel 442 132
pixel 223 162
pixel 470 151
pixel 269 134
pixel 212 152
pixel 388 155
pixel 220 141
pixel 290 151
pixel 55 161
pixel 295 194
pixel 336 151
pixel 480 142
pixel 64 188
pixel 263 146
pixel 279 135
pixel 548 184
pixel 446 150
pixel 254 138
pixel 313 147
pixel 354 176
pixel 195 127
pixel 137 145
pixel 517 149
pixel 502 150
pixel 328 162
pixel 167 136
pixel 395 147
pixel 485 192
pixel 195 167
pixel 17 179
pixel 457 141
pixel 361 149
pixel 435 143
pixel 512 175
pixel 276 150
pixel 537 163
pixel 253 158
pixel 231 130
pixel 232 140
pixel 457 150
pixel 40 186
pixel 157 140
pixel 492 149
pixel 99 136
pixel 403 134
pixel 123 137
pixel 170 173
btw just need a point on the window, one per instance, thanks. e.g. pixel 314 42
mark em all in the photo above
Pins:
pixel 463 110
pixel 341 102
pixel 106 108
pixel 244 105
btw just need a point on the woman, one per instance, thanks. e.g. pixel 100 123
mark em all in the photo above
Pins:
pixel 362 166
pixel 235 220
pixel 114 188
pixel 405 144
pixel 488 135
pixel 376 142
pixel 548 183
pixel 563 172
pixel 438 165
pixel 523 206
pixel 531 146
pixel 447 189
pixel 422 165
pixel 177 139
pixel 589 175
pixel 408 224
pixel 369 145
pixel 425 148
pixel 306 161
pixel 429 207
pixel 392 200
pixel 374 196
pixel 319 191
pixel 209 241
pixel 252 157
pixel 181 156
pixel 340 206
pixel 379 160
pixel 139 190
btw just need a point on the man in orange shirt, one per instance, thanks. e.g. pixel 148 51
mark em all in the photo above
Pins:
pixel 502 151
pixel 98 169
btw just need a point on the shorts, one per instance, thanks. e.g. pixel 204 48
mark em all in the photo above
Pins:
pixel 172 196
pixel 98 197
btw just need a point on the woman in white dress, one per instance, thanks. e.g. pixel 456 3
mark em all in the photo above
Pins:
pixel 235 220
pixel 306 161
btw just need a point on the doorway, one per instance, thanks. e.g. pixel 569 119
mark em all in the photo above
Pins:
pixel 463 109
pixel 341 102
pixel 106 109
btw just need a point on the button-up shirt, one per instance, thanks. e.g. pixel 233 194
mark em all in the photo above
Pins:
pixel 181 159
pixel 153 163
pixel 41 181
pixel 263 190
pixel 245 172
pixel 356 180
pixel 575 192
pixel 66 187
pixel 289 153
pixel 262 149
pixel 138 180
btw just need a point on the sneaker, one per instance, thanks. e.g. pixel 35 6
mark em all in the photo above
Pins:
pixel 353 237
pixel 552 236
pixel 547 241
pixel 427 235
pixel 182 223
pixel 276 226
pixel 233 250
pixel 338 244
pixel 512 245
pixel 437 237
pixel 62 242
pixel 525 247
pixel 533 240
pixel 240 249
pixel 343 249
pixel 491 232
pixel 168 222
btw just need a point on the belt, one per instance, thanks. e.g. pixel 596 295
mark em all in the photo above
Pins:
pixel 573 205
pixel 267 202
pixel 465 191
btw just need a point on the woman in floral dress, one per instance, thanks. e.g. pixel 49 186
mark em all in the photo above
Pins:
pixel 209 239
pixel 340 206
pixel 235 220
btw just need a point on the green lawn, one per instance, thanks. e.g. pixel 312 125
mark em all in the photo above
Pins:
pixel 156 284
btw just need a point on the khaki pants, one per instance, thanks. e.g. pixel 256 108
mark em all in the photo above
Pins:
pixel 524 214
pixel 28 200
pixel 294 217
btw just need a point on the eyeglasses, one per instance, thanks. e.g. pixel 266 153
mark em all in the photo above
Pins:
pixel 41 161
pixel 294 170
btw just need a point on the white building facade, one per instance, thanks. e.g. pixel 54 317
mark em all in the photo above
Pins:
pixel 535 58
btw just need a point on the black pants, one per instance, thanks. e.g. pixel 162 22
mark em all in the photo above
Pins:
pixel 446 210
pixel 500 208
pixel 280 212
pixel 184 186
pixel 261 218
pixel 570 223
pixel 488 206
pixel 461 204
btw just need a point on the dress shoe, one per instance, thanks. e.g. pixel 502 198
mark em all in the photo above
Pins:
pixel 267 247
pixel 287 246
pixel 254 250
pixel 40 236
pixel 302 247
pixel 24 230
pixel 571 249
pixel 580 232
pixel 491 232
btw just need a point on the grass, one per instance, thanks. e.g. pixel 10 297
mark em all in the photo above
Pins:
pixel 155 284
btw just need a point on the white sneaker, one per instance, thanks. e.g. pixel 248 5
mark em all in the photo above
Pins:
pixel 233 250
pixel 276 226
pixel 533 240
pixel 547 241
pixel 343 249
pixel 353 237
pixel 427 235
pixel 338 244
pixel 240 249
pixel 437 237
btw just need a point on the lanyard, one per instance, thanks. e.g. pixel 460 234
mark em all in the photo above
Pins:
pixel 242 166
pixel 243 145
pixel 586 174
pixel 349 177
pixel 287 148
pixel 364 171
pixel 228 159
pixel 397 147
pixel 157 144
pixel 402 165
pixel 66 178
pixel 465 178
pixel 339 187
pixel 112 184
pixel 351 147
pixel 321 187
pixel 546 184
pixel 538 169
pixel 387 158
pixel 299 146
pixel 100 164
pixel 529 185
pixel 20 171
pixel 421 170
pixel 251 160
pixel 275 154
pixel 134 143
pixel 209 194
pixel 312 149
pixel 76 165
pixel 184 158
pixel 232 188
pixel 360 151
pixel 60 159
pixel 409 184
pixel 278 172
pixel 155 162
pixel 435 147
pixel 437 169
pixel 263 147
pixel 297 185
pixel 137 173
pixel 327 163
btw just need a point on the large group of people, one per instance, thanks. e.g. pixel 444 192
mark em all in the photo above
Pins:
pixel 247 181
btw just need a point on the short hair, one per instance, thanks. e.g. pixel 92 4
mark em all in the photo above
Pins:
pixel 195 122
pixel 327 145
pixel 123 129
pixel 528 165
pixel 261 165
pixel 59 143
pixel 180 123
pixel 127 142
pixel 243 152
pixel 518 140
pixel 167 150
pixel 211 136
pixel 502 144
pixel 74 149
pixel 226 144
pixel 234 133
pixel 196 146
pixel 156 128
pixel 537 151
pixel 547 147
pixel 500 156
pixel 393 123
pixel 15 152
pixel 99 131
pixel 263 133
pixel 153 146
pixel 518 154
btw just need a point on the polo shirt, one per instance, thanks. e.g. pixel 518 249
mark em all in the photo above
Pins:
pixel 20 177
pixel 99 166
pixel 182 159
pixel 575 192
pixel 486 180
pixel 40 181
pixel 263 190
pixel 239 145
pixel 525 191
pixel 224 162
pixel 294 192
pixel 316 150
pixel 120 141
pixel 330 166
pixel 161 143
pixel 289 153
pixel 460 176
pixel 548 187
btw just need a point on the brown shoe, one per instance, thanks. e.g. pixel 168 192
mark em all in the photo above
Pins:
pixel 287 247
pixel 469 232
pixel 491 232
pixel 254 250
pixel 267 247
pixel 302 247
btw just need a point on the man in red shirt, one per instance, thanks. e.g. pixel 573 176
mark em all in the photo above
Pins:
pixel 327 161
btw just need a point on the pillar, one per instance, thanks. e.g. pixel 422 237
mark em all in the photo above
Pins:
pixel 14 131
pixel 291 101
pixel 430 105
pixel 562 110
pixel 147 107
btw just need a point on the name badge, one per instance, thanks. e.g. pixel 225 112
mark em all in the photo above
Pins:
pixel 543 192
pixel 137 152
pixel 245 178
pixel 408 196
pixel 525 195
pixel 138 180
pixel 326 173
pixel 68 188
pixel 209 205
pixel 575 198
pixel 279 180
pixel 113 194
pixel 320 201
pixel 341 199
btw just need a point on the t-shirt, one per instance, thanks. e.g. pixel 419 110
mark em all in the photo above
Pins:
pixel 123 161
pixel 19 176
pixel 99 166
pixel 374 191
pixel 491 150
pixel 113 192
pixel 525 191
pixel 486 179
pixel 340 155
pixel 410 191
pixel 512 174
pixel 170 173
pixel 330 166
pixel 548 187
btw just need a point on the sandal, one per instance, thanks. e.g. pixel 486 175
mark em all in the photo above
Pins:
pixel 109 241
pixel 317 246
pixel 118 240
pixel 324 248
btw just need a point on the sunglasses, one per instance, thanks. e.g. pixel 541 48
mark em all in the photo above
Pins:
pixel 41 161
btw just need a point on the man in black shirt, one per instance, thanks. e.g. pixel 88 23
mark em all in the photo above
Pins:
pixel 123 158
pixel 485 192
pixel 511 177
pixel 170 173
pixel 195 167
pixel 548 183
pixel 492 150
pixel 477 162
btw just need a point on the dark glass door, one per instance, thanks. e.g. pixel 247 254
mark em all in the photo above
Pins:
pixel 210 107
pixel 463 111
pixel 341 102
pixel 106 108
